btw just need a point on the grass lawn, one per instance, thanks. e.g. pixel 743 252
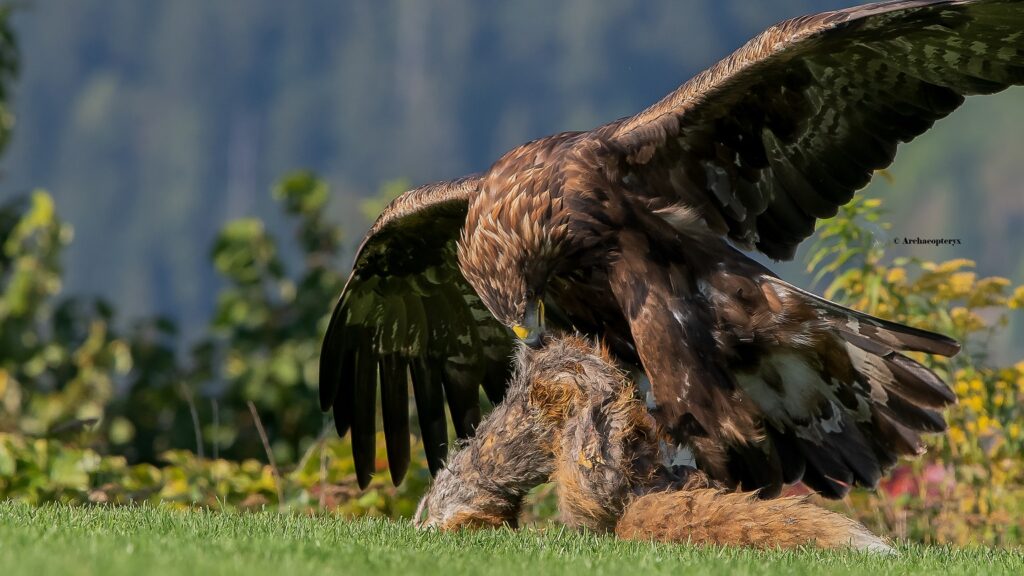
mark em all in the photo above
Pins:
pixel 64 540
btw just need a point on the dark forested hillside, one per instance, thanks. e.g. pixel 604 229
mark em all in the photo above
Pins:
pixel 154 122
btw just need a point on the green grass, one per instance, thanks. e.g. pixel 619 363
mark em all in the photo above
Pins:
pixel 95 540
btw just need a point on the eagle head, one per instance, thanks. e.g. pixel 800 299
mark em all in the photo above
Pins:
pixel 509 250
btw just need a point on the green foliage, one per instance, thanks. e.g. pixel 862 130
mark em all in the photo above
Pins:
pixel 268 325
pixel 59 361
pixel 970 485
pixel 41 470
pixel 10 62
pixel 76 392
pixel 373 206
pixel 262 345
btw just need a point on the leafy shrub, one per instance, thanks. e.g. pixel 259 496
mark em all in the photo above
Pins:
pixel 969 487
pixel 264 343
pixel 59 361
pixel 41 470
pixel 75 391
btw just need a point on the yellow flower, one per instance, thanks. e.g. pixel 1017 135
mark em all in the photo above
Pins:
pixel 985 424
pixel 956 435
pixel 961 282
pixel 1013 431
pixel 961 388
pixel 896 275
pixel 947 266
pixel 1017 301
pixel 993 281
pixel 999 399
pixel 977 385
pixel 974 403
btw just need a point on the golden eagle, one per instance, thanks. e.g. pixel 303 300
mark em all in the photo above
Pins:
pixel 632 232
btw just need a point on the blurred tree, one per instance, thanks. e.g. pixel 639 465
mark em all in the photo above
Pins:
pixel 10 61
pixel 63 368
pixel 268 325
pixel 59 361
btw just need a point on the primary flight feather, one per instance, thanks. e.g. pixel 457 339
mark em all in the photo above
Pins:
pixel 633 232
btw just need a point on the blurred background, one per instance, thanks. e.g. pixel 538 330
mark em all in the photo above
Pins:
pixel 152 123
pixel 172 284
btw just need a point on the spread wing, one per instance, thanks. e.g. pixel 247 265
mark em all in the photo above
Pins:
pixel 767 383
pixel 407 315
pixel 785 129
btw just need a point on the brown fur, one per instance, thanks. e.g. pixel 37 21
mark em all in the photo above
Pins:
pixel 710 516
pixel 573 417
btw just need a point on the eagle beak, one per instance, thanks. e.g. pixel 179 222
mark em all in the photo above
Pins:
pixel 531 332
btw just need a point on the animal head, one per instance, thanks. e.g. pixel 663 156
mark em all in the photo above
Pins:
pixel 452 503
pixel 508 253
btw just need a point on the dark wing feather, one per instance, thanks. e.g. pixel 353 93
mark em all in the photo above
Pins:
pixel 394 402
pixel 408 313
pixel 788 127
pixel 766 383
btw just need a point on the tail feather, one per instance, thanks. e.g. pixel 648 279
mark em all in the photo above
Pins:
pixel 875 334
pixel 857 403
pixel 825 473
pixel 858 453
pixel 917 383
pixel 895 438
pixel 898 336
pixel 913 416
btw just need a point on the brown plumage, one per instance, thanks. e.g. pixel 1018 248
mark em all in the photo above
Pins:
pixel 574 418
pixel 630 232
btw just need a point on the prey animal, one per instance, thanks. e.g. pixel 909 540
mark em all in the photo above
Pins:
pixel 635 232
pixel 573 417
